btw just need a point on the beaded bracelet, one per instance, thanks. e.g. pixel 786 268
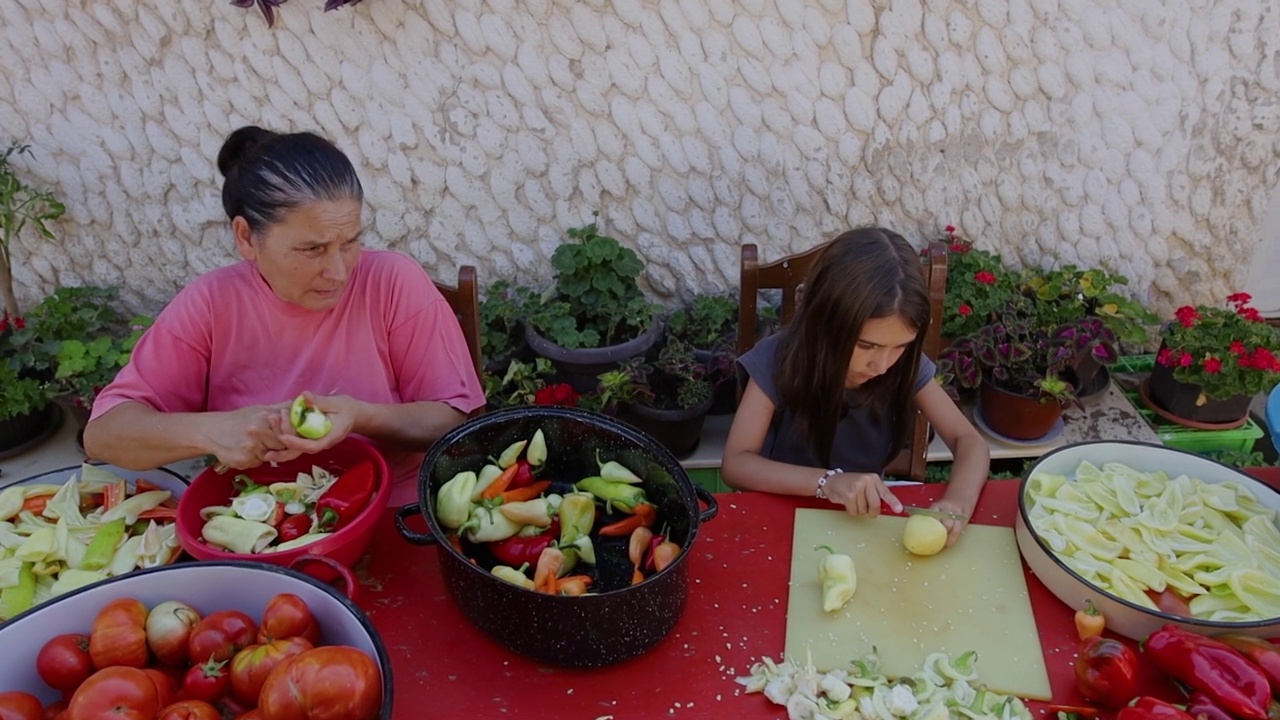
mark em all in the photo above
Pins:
pixel 821 493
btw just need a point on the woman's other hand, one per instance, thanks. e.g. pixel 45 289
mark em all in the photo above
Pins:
pixel 243 438
pixel 342 411
pixel 860 493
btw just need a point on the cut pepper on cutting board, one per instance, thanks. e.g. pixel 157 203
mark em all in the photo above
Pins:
pixel 971 597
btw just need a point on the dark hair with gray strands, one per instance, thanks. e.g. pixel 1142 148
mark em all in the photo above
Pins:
pixel 269 173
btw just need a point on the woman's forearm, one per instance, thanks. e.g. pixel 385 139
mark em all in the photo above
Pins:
pixel 137 437
pixel 414 426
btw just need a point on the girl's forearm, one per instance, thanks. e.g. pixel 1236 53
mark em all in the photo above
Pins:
pixel 749 471
pixel 969 470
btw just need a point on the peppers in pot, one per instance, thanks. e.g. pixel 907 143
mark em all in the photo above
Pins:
pixel 516 550
pixel 1106 671
pixel 1212 667
pixel 1262 653
pixel 1149 708
pixel 346 498
pixel 453 501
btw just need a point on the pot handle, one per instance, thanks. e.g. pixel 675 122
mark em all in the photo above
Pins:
pixel 712 506
pixel 350 587
pixel 416 538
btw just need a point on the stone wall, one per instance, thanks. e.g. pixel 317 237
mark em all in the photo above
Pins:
pixel 1145 133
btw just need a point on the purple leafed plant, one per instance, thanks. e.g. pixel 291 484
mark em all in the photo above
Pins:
pixel 268 7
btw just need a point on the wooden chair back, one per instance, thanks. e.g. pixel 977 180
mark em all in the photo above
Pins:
pixel 464 298
pixel 787 275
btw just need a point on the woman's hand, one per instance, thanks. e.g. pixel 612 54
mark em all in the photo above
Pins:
pixel 342 411
pixel 860 493
pixel 242 439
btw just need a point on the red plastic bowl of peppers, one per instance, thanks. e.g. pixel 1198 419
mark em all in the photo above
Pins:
pixel 276 514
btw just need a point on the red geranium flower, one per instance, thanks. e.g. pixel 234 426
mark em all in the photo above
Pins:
pixel 1185 359
pixel 959 248
pixel 1249 313
pixel 1187 315
pixel 1165 357
pixel 985 277
pixel 1239 298
pixel 1200 345
pixel 1237 348
pixel 1212 365
pixel 558 394
pixel 965 310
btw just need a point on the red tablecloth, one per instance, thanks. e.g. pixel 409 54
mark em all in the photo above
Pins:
pixel 735 614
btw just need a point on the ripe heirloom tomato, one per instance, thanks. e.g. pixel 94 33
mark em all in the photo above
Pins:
pixel 207 681
pixel 169 627
pixel 333 682
pixel 166 688
pixel 251 715
pixel 189 710
pixel 119 693
pixel 286 616
pixel 252 665
pixel 17 705
pixel 56 710
pixel 63 662
pixel 119 635
pixel 220 635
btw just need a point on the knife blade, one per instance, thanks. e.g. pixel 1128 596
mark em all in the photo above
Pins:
pixel 913 510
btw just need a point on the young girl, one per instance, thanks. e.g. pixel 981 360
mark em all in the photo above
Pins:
pixel 827 400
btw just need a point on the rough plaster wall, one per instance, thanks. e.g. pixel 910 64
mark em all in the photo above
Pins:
pixel 1141 132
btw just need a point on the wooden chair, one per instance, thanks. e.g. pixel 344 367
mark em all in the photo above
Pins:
pixel 465 301
pixel 787 275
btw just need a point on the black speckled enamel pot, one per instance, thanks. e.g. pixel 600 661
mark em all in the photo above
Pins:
pixel 622 620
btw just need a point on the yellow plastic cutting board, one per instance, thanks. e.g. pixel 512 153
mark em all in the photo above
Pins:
pixel 972 596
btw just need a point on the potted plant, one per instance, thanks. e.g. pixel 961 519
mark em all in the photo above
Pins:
pixel 26 409
pixel 1212 361
pixel 501 325
pixel 1018 371
pixel 20 205
pixel 674 400
pixel 1093 347
pixel 519 384
pixel 709 323
pixel 596 315
pixel 977 287
pixel 1066 293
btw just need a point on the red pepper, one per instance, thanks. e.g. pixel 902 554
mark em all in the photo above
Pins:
pixel 523 477
pixel 1149 708
pixel 1265 655
pixel 649 563
pixel 516 551
pixel 346 497
pixel 294 527
pixel 1202 707
pixel 1106 671
pixel 1215 669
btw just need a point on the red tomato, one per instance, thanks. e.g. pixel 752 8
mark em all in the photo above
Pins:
pixel 220 635
pixel 166 688
pixel 333 682
pixel 118 693
pixel 119 635
pixel 16 705
pixel 189 710
pixel 250 667
pixel 206 682
pixel 251 715
pixel 64 662
pixel 286 615
pixel 1170 602
pixel 169 627
pixel 55 710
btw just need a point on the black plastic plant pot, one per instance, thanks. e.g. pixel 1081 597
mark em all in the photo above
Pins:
pixel 581 367
pixel 677 430
pixel 616 620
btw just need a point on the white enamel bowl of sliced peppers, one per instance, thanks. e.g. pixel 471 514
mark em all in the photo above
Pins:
pixel 1153 535
pixel 615 610
pixel 338 524
pixel 78 525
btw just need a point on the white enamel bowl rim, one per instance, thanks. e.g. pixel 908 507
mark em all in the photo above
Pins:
pixel 168 479
pixel 1125 617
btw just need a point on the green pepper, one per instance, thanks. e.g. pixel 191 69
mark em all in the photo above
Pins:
pixel 17 598
pixel 838 577
pixel 309 420
pixel 614 471
pixel 614 494
pixel 577 516
pixel 511 454
pixel 453 501
pixel 488 525
pixel 537 453
pixel 103 545
pixel 512 575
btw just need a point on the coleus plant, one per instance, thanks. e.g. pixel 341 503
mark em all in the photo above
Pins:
pixel 268 7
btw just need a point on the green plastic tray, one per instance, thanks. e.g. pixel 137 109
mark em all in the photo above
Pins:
pixel 1176 436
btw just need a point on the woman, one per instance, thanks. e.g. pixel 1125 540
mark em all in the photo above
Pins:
pixel 365 332
pixel 828 402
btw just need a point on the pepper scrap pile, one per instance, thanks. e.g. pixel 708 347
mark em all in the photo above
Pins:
pixel 944 689
pixel 56 538
pixel 540 538
pixel 286 515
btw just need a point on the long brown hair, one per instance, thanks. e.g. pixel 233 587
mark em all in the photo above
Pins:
pixel 862 274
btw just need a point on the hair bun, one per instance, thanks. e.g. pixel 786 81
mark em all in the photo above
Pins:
pixel 239 145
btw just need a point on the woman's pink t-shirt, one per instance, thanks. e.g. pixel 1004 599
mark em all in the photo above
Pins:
pixel 227 342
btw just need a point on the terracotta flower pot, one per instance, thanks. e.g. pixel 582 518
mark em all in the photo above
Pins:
pixel 1017 416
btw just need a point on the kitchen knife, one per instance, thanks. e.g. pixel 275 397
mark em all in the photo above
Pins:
pixel 913 510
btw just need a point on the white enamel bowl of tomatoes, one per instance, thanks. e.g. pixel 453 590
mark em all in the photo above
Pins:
pixel 346 545
pixel 207 587
pixel 1122 616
